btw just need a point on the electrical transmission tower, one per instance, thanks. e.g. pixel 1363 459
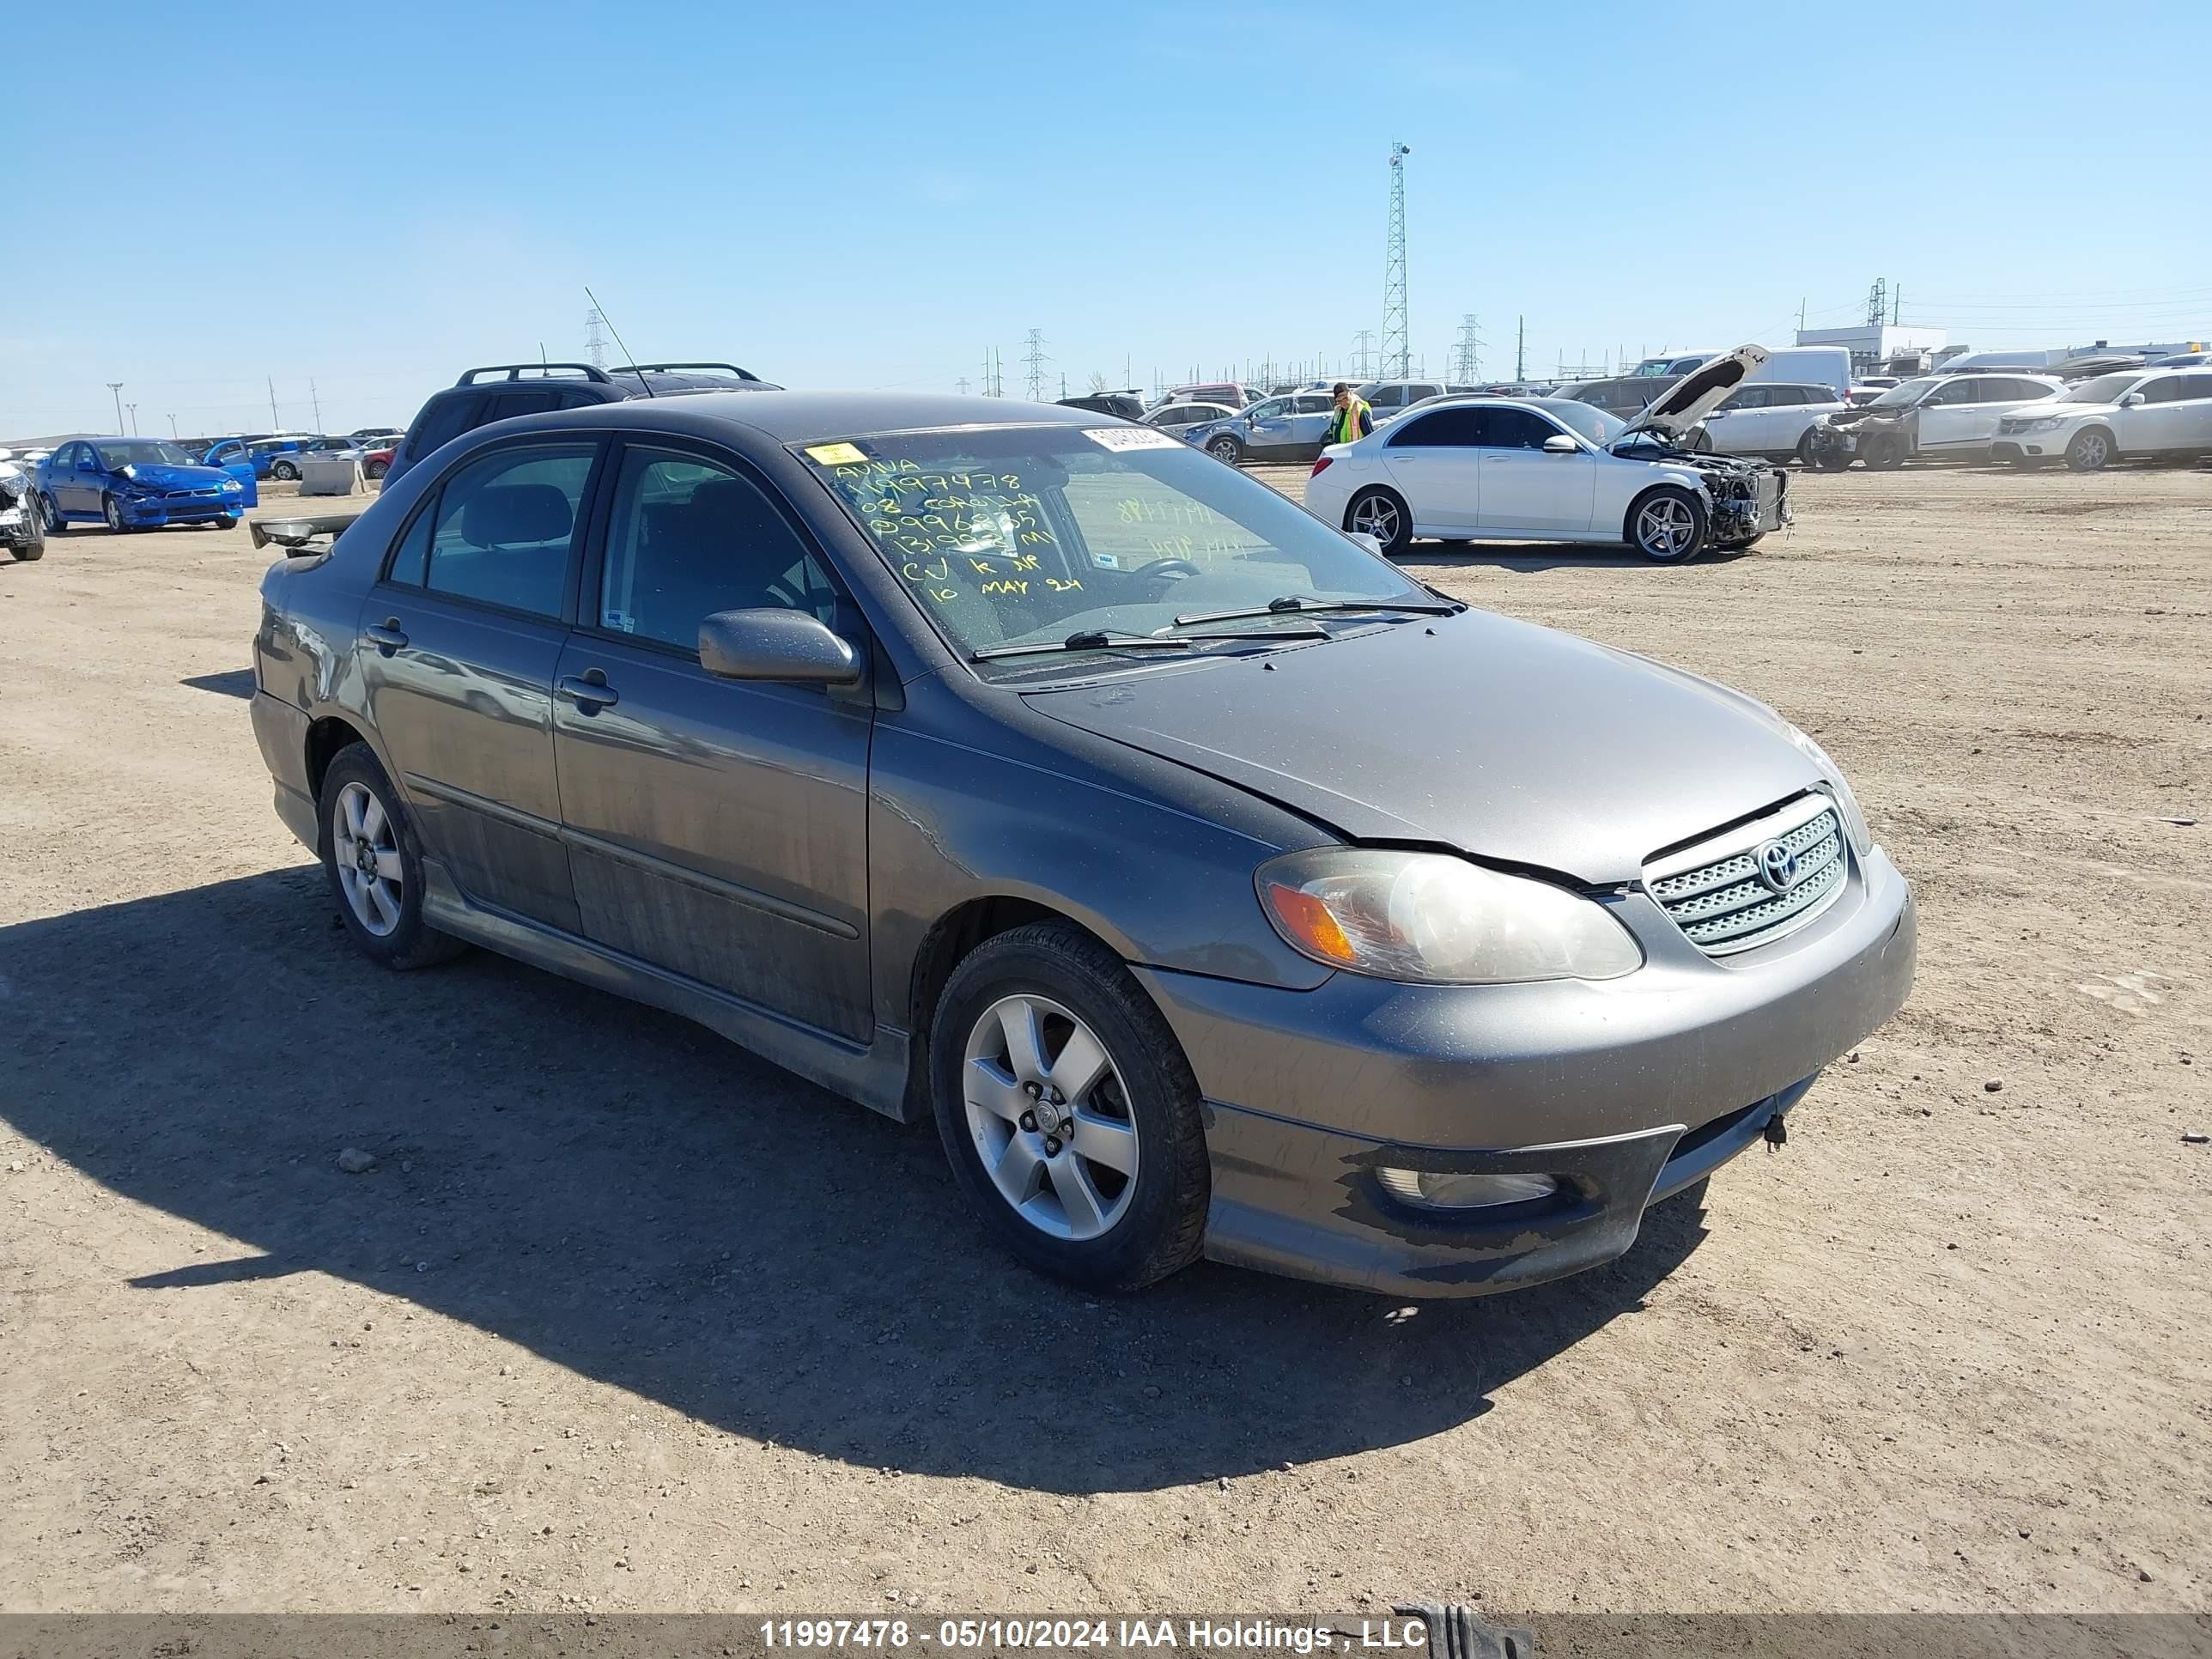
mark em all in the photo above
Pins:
pixel 1363 363
pixel 1396 348
pixel 963 383
pixel 1465 354
pixel 992 386
pixel 1034 361
pixel 595 342
pixel 1878 302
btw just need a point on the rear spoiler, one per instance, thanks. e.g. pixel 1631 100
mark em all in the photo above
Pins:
pixel 294 535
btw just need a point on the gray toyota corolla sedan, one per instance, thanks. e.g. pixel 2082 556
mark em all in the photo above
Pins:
pixel 1217 888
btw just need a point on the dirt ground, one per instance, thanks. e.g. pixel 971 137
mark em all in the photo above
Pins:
pixel 623 1318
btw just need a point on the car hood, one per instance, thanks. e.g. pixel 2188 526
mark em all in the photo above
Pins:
pixel 1696 395
pixel 1503 740
pixel 155 476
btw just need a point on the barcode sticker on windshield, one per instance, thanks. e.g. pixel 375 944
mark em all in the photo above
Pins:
pixel 1130 437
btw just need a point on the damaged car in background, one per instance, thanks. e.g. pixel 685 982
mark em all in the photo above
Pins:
pixel 1934 417
pixel 1557 470
pixel 22 524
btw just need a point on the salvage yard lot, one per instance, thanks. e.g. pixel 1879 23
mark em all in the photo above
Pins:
pixel 622 1318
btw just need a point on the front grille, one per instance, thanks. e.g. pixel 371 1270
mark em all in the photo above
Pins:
pixel 191 495
pixel 1718 892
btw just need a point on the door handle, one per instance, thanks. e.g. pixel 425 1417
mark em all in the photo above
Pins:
pixel 388 635
pixel 591 693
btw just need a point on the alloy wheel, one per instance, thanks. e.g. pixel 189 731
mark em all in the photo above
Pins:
pixel 1374 516
pixel 365 848
pixel 1224 450
pixel 1050 1118
pixel 112 512
pixel 1665 527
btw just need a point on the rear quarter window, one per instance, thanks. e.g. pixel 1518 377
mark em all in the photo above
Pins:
pixel 443 419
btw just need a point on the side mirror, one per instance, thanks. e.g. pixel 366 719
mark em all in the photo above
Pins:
pixel 2132 400
pixel 771 643
pixel 1559 444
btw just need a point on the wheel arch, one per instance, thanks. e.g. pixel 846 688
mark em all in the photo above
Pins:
pixel 949 941
pixel 326 735
pixel 1343 518
pixel 1695 490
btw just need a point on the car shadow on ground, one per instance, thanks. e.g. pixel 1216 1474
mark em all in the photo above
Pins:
pixel 233 683
pixel 1528 558
pixel 631 1197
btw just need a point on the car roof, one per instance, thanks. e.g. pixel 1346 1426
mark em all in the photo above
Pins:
pixel 790 417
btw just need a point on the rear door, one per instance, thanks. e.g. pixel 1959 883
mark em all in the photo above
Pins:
pixel 1434 459
pixel 457 649
pixel 718 829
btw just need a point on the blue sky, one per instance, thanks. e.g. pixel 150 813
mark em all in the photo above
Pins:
pixel 871 195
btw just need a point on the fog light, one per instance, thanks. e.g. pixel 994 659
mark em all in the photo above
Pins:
pixel 1442 1189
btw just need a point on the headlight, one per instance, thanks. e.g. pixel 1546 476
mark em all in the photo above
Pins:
pixel 1435 920
pixel 232 487
pixel 1855 823
pixel 2043 423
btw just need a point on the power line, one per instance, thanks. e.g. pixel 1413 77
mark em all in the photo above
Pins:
pixel 1396 347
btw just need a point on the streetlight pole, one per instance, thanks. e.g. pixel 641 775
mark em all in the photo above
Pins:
pixel 133 408
pixel 116 387
pixel 173 426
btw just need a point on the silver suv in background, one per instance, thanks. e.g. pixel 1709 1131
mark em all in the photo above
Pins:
pixel 1771 418
pixel 1937 415
pixel 1290 428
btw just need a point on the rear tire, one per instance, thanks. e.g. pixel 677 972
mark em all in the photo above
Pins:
pixel 1667 525
pixel 1383 515
pixel 1115 1230
pixel 2092 450
pixel 367 842
pixel 284 472
pixel 376 469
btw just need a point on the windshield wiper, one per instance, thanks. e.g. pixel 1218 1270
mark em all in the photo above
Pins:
pixel 1097 639
pixel 1294 604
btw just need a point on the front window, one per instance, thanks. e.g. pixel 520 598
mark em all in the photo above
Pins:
pixel 2104 389
pixel 1027 535
pixel 1904 396
pixel 141 452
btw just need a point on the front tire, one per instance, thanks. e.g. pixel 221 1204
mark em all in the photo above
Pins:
pixel 228 521
pixel 1667 526
pixel 1384 515
pixel 111 512
pixel 2092 450
pixel 1885 454
pixel 1805 449
pixel 1068 1111
pixel 375 864
pixel 1226 450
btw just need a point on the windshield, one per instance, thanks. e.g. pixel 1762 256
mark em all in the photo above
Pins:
pixel 2104 389
pixel 141 452
pixel 1593 422
pixel 1020 535
pixel 1901 396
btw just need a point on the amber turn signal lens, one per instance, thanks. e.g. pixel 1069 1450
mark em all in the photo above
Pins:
pixel 1309 918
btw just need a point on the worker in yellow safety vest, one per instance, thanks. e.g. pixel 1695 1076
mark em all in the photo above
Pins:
pixel 1352 420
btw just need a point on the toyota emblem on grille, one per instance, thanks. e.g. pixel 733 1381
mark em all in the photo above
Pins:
pixel 1777 867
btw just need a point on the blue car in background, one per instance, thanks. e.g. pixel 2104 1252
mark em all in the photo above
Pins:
pixel 1294 427
pixel 260 455
pixel 137 483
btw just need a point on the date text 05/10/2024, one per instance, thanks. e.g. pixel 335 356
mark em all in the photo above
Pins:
pixel 1099 1634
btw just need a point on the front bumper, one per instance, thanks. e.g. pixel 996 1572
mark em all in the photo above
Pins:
pixel 150 511
pixel 1627 1090
pixel 18 527
pixel 1833 441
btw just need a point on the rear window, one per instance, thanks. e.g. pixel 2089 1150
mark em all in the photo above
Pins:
pixel 443 419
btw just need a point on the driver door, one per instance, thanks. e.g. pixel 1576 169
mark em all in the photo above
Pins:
pixel 1951 417
pixel 716 829
pixel 1267 430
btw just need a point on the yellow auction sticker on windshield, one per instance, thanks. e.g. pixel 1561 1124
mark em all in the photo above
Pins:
pixel 1130 437
pixel 835 454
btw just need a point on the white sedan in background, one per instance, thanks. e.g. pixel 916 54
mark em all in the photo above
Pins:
pixel 2159 413
pixel 1554 470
